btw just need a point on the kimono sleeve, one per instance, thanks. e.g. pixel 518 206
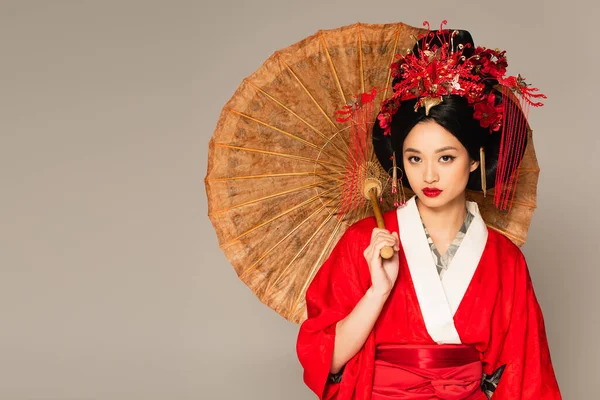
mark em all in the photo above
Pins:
pixel 331 296
pixel 517 365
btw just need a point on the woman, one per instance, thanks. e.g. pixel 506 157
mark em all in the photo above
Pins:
pixel 453 314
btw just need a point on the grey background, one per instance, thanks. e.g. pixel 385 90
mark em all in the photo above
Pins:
pixel 112 285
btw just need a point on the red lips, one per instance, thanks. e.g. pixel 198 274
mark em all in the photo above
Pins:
pixel 431 192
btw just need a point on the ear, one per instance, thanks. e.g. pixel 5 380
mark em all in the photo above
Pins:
pixel 474 165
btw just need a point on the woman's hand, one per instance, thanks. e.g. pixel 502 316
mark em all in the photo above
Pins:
pixel 352 332
pixel 383 272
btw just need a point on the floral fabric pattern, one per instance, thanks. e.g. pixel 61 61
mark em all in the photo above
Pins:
pixel 443 261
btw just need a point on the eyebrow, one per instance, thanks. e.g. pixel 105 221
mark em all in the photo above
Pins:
pixel 410 149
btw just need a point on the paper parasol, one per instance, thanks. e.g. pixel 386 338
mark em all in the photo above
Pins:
pixel 278 161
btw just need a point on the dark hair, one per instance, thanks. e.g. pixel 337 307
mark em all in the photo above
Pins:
pixel 456 116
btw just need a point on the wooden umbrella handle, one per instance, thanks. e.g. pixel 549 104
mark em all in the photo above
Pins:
pixel 387 252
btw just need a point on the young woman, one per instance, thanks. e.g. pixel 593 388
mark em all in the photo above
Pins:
pixel 453 314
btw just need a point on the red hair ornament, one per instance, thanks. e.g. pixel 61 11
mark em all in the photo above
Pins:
pixel 434 71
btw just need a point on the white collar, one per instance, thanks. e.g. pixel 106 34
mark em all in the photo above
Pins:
pixel 440 298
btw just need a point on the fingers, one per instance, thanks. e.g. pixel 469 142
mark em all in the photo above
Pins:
pixel 382 242
pixel 379 239
pixel 383 234
pixel 378 231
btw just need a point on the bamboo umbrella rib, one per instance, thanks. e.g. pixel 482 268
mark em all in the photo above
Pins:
pixel 315 265
pixel 524 203
pixel 364 213
pixel 309 240
pixel 298 253
pixel 318 132
pixel 335 75
pixel 248 269
pixel 233 178
pixel 305 202
pixel 315 102
pixel 308 93
pixel 339 134
pixel 519 202
pixel 273 195
pixel 337 172
pixel 389 75
pixel 360 59
pixel 288 134
pixel 300 158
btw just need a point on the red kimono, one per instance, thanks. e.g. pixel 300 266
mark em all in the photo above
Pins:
pixel 485 301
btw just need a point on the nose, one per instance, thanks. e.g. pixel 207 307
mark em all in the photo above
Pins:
pixel 430 174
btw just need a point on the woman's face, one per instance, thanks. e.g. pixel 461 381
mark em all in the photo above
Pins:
pixel 435 159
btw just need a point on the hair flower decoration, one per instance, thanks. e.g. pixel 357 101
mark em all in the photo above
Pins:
pixel 434 71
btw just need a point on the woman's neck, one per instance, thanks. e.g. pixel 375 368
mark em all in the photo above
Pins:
pixel 445 220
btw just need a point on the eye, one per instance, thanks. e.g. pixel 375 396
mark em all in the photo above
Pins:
pixel 447 159
pixel 413 159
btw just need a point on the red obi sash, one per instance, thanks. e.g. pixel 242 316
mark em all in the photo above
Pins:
pixel 427 372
